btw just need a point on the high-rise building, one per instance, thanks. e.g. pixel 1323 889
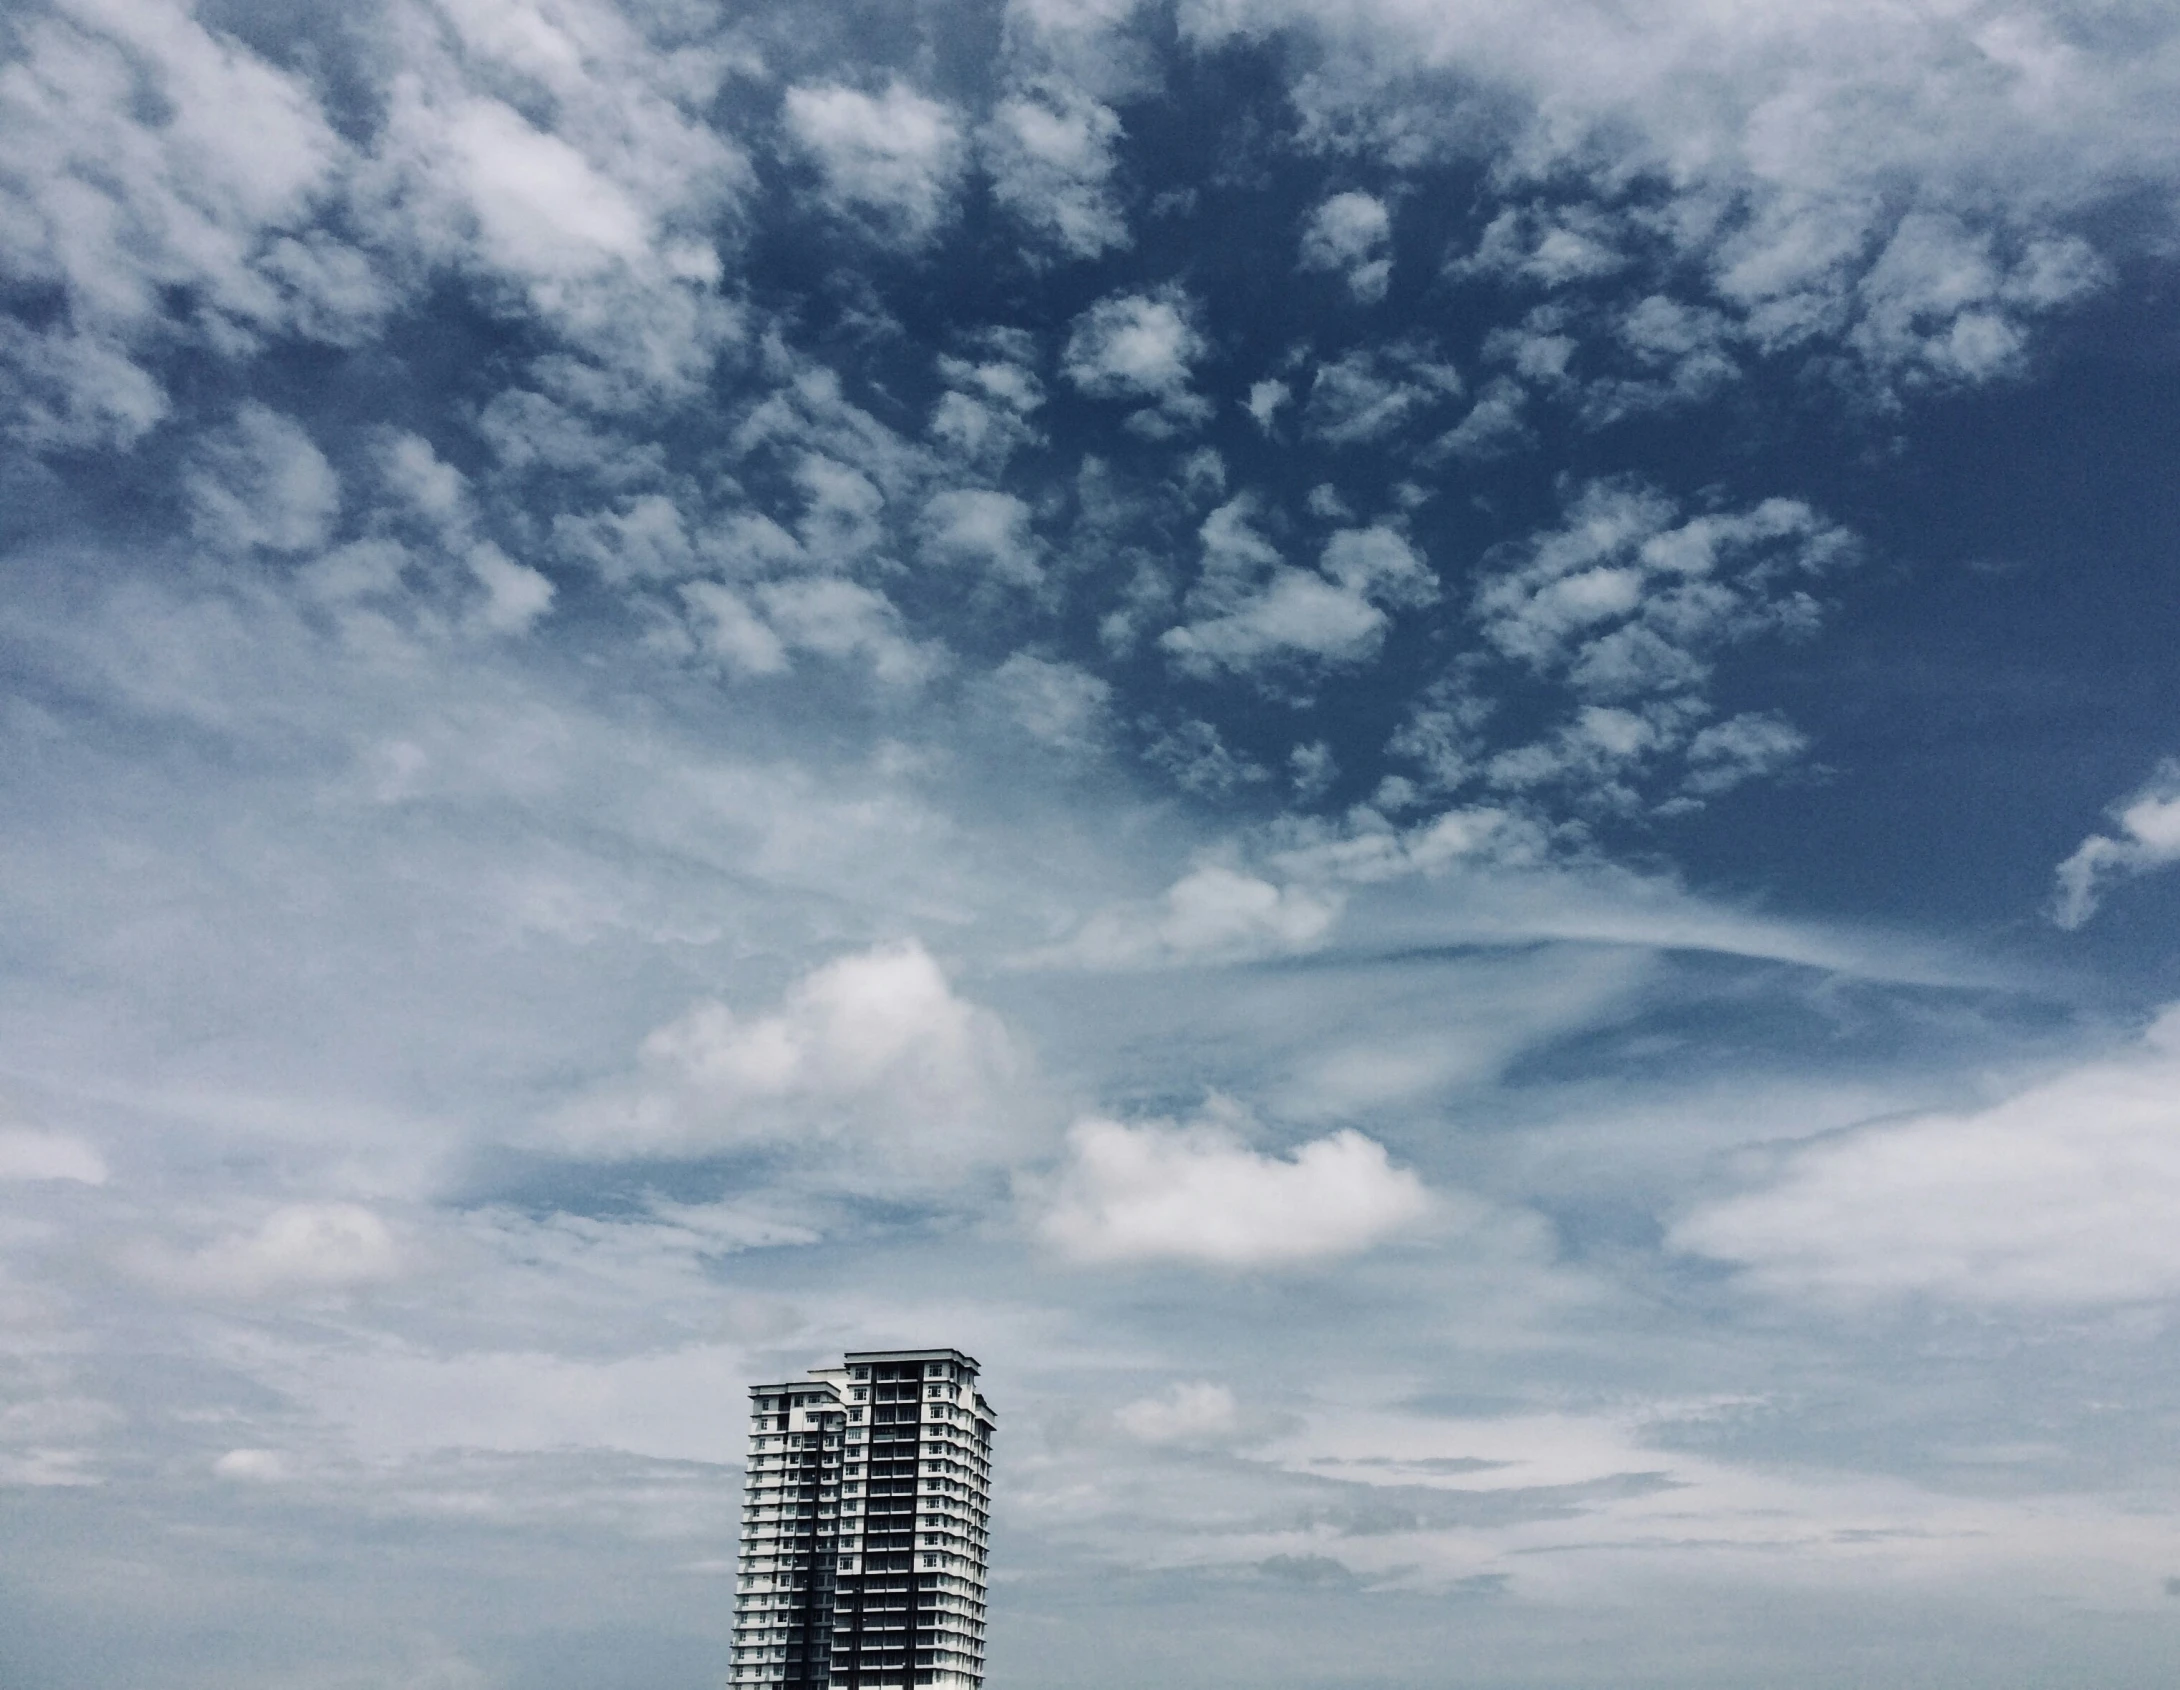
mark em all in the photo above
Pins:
pixel 865 1527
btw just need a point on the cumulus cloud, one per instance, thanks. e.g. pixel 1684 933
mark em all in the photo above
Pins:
pixel 1250 610
pixel 1372 393
pixel 253 1466
pixel 299 1249
pixel 844 621
pixel 2061 1196
pixel 2146 837
pixel 1212 914
pixel 515 595
pixel 163 179
pixel 261 483
pixel 1724 755
pixel 1193 1411
pixel 1197 1193
pixel 896 157
pixel 1139 346
pixel 542 210
pixel 1867 177
pixel 984 530
pixel 1050 152
pixel 563 164
pixel 872 1062
pixel 984 415
pixel 1061 704
pixel 1629 606
pixel 1350 234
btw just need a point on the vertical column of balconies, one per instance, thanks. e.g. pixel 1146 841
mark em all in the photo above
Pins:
pixel 784 1576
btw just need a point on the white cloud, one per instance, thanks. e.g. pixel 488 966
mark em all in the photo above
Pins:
pixel 1350 233
pixel 1212 914
pixel 1135 346
pixel 1061 704
pixel 1378 563
pixel 1265 399
pixel 1551 249
pixel 542 209
pixel 871 1060
pixel 2147 838
pixel 983 530
pixel 1197 1193
pixel 1249 609
pixel 560 159
pixel 515 594
pixel 1825 134
pixel 841 620
pixel 1630 606
pixel 152 164
pixel 897 156
pixel 729 629
pixel 299 1249
pixel 1743 747
pixel 1292 614
pixel 253 1466
pixel 1374 392
pixel 1050 154
pixel 1192 1411
pixel 2061 1196
pixel 398 1400
pixel 1493 427
pixel 262 482
pixel 26 1154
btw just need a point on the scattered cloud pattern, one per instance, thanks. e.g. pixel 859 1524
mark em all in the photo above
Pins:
pixel 1371 736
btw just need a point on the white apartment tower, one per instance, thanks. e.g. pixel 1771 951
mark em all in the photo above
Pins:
pixel 865 1527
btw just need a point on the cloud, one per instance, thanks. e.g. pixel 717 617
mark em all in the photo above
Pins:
pixel 1867 178
pixel 1493 427
pixel 162 178
pixel 1350 233
pixel 1250 610
pixel 253 1466
pixel 1059 704
pixel 2059 1197
pixel 262 483
pixel 563 165
pixel 1722 756
pixel 986 531
pixel 1629 606
pixel 1050 154
pixel 26 1154
pixel 896 156
pixel 1138 346
pixel 1212 915
pixel 984 415
pixel 1372 393
pixel 871 1061
pixel 2147 838
pixel 840 620
pixel 542 210
pixel 299 1249
pixel 1198 1194
pixel 1194 1411
pixel 515 594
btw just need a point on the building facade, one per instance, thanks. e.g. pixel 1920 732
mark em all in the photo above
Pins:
pixel 865 1527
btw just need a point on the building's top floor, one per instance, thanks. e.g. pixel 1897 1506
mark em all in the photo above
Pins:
pixel 867 1376
pixel 910 1364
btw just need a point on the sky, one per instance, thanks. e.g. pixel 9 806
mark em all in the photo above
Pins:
pixel 1423 751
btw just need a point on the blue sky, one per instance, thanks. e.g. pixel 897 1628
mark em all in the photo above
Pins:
pixel 1423 751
